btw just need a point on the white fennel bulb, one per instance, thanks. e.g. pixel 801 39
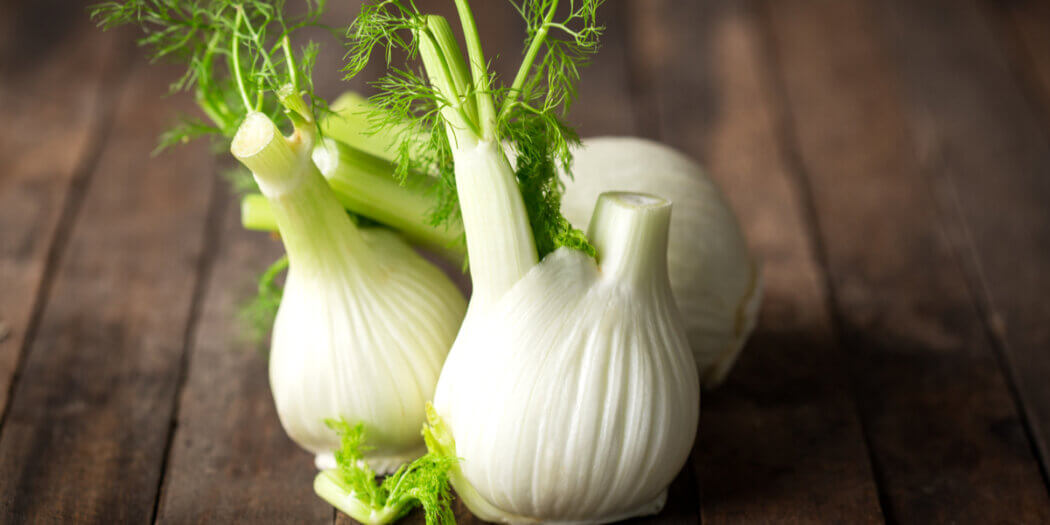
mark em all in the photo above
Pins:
pixel 573 396
pixel 364 323
pixel 716 282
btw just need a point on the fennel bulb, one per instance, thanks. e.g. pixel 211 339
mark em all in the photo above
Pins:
pixel 581 368
pixel 570 393
pixel 717 284
pixel 364 323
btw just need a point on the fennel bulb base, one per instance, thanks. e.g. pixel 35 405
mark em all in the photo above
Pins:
pixel 489 513
pixel 382 465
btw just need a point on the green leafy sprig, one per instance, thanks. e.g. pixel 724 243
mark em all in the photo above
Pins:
pixel 237 52
pixel 531 109
pixel 258 314
pixel 423 482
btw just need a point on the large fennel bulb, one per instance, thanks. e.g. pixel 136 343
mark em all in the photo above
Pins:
pixel 364 323
pixel 573 396
pixel 570 394
pixel 716 282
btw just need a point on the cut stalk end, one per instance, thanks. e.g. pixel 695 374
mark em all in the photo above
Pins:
pixel 272 158
pixel 630 230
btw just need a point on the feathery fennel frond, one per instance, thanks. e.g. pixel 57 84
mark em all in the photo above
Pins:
pixel 238 54
pixel 422 482
pixel 257 315
pixel 407 102
pixel 575 37
pixel 531 108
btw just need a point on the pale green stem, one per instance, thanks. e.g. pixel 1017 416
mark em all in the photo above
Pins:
pixel 629 231
pixel 296 106
pixel 349 123
pixel 500 244
pixel 479 71
pixel 530 56
pixel 235 54
pixel 256 213
pixel 457 68
pixel 313 225
pixel 329 487
pixel 293 74
pixel 366 185
pixel 442 77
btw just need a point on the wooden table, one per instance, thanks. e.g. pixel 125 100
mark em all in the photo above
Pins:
pixel 889 159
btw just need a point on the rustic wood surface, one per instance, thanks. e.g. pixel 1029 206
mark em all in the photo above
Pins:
pixel 890 162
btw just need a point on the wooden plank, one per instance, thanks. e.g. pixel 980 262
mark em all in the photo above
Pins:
pixel 1026 24
pixel 780 441
pixel 87 428
pixel 947 441
pixel 988 153
pixel 56 106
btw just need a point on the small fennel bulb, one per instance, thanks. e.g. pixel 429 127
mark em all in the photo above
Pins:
pixel 716 282
pixel 364 323
pixel 580 367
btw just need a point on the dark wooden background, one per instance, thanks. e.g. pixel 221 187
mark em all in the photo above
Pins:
pixel 890 161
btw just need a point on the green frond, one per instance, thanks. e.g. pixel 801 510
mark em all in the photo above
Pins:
pixel 237 53
pixel 531 108
pixel 187 129
pixel 258 314
pixel 240 180
pixel 421 482
pixel 542 144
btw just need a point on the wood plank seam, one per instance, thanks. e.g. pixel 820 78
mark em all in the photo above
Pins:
pixel 1018 56
pixel 732 118
pixel 107 96
pixel 858 106
pixel 1006 37
pixel 797 171
pixel 966 257
pixel 212 235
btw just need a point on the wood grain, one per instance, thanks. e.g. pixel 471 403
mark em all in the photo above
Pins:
pixel 1025 27
pixel 56 110
pixel 87 428
pixel 987 150
pixel 780 441
pixel 946 437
